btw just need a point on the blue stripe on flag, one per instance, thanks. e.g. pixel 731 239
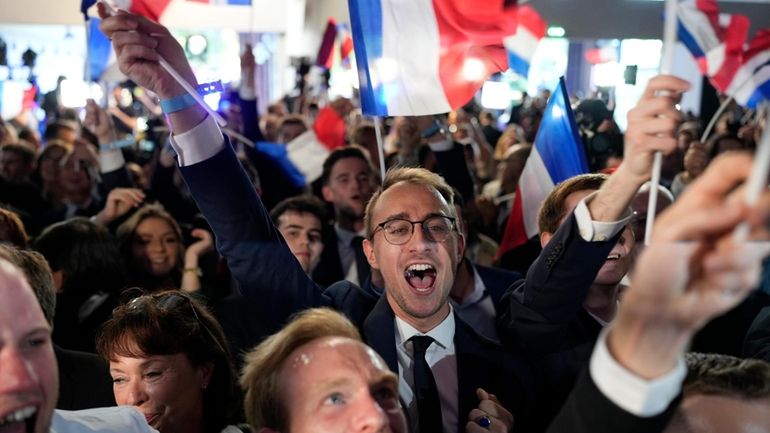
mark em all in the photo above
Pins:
pixel 761 93
pixel 517 64
pixel 84 6
pixel 239 2
pixel 366 25
pixel 557 141
pixel 689 41
pixel 99 48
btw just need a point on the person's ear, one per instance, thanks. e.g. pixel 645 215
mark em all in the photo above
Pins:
pixel 369 252
pixel 327 193
pixel 205 372
pixel 545 237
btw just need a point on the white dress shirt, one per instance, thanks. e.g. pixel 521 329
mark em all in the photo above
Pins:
pixel 122 419
pixel 478 309
pixel 441 358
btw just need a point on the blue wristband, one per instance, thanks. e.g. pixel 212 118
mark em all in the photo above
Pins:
pixel 177 103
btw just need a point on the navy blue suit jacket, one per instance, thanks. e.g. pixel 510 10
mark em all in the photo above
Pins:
pixel 273 281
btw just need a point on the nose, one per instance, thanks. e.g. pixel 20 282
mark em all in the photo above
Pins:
pixel 369 416
pixel 134 394
pixel 420 240
pixel 157 246
pixel 17 374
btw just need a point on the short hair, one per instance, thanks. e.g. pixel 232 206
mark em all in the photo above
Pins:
pixel 264 401
pixel 359 134
pixel 17 234
pixel 552 211
pixel 26 154
pixel 413 175
pixel 86 254
pixel 307 204
pixel 38 275
pixel 291 119
pixel 715 374
pixel 341 153
pixel 52 130
pixel 168 323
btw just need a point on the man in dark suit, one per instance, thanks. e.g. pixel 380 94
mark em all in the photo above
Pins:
pixel 667 304
pixel 440 359
pixel 572 289
pixel 347 184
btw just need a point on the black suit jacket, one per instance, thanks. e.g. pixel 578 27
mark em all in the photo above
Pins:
pixel 273 281
pixel 84 380
pixel 587 410
pixel 329 268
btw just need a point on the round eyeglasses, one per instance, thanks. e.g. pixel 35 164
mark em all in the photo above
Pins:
pixel 399 231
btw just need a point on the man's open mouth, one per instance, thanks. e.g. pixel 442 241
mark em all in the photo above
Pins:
pixel 22 419
pixel 420 276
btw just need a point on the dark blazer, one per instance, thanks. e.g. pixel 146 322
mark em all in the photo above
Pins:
pixel 84 380
pixel 587 410
pixel 329 268
pixel 273 281
pixel 496 280
pixel 757 343
pixel 543 315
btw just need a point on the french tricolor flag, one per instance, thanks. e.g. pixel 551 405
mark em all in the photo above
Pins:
pixel 522 45
pixel 751 83
pixel 558 154
pixel 419 57
pixel 715 40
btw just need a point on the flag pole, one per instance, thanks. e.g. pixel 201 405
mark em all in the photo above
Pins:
pixel 380 144
pixel 666 67
pixel 756 183
pixel 88 63
pixel 715 118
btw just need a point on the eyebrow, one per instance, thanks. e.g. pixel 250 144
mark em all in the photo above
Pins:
pixel 404 215
pixel 334 383
pixel 45 330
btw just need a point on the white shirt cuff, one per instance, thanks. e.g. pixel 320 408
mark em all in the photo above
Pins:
pixel 638 396
pixel 111 160
pixel 198 144
pixel 441 146
pixel 593 231
pixel 247 92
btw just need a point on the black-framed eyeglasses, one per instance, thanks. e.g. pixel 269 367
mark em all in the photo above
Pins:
pixel 170 301
pixel 399 231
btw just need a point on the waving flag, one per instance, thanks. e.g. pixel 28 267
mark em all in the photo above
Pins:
pixel 715 40
pixel 751 83
pixel 558 154
pixel 84 6
pixel 420 57
pixel 522 45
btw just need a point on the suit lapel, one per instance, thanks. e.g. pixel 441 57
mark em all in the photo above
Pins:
pixel 472 371
pixel 379 332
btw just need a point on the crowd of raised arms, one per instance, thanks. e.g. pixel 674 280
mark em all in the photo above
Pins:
pixel 202 286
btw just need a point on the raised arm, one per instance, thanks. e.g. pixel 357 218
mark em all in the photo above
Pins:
pixel 267 272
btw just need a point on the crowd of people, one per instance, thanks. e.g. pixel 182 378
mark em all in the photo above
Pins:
pixel 197 281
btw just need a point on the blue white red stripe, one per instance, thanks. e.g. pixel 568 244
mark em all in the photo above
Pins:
pixel 419 57
pixel 751 83
pixel 714 39
pixel 558 154
pixel 522 45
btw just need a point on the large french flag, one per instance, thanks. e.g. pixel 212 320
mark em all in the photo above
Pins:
pixel 558 154
pixel 521 46
pixel 419 57
pixel 751 83
pixel 714 39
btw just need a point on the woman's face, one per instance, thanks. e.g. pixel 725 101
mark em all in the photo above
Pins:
pixel 155 246
pixel 166 389
pixel 49 166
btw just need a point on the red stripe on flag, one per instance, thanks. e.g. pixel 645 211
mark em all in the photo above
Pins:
pixel 515 233
pixel 471 34
pixel 151 9
pixel 325 56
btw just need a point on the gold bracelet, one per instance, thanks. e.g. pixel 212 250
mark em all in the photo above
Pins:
pixel 196 271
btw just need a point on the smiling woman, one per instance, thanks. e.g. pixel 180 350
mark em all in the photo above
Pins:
pixel 168 358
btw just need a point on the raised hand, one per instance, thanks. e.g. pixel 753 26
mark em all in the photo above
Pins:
pixel 99 122
pixel 692 271
pixel 119 202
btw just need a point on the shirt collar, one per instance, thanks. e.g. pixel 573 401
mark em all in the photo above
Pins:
pixel 345 236
pixel 443 333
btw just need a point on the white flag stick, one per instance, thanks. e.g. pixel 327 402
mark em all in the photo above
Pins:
pixel 380 144
pixel 666 67
pixel 757 181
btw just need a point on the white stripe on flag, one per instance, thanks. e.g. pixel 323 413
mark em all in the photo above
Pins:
pixel 745 72
pixel 523 43
pixel 308 155
pixel 409 68
pixel 535 184
pixel 745 92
